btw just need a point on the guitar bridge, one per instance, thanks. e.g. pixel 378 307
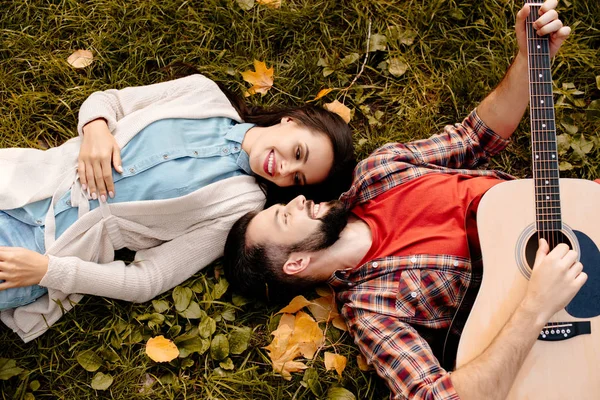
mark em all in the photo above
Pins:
pixel 564 330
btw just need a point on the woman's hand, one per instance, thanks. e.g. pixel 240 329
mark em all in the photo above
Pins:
pixel 98 151
pixel 21 267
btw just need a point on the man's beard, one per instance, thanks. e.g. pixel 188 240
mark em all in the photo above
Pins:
pixel 331 226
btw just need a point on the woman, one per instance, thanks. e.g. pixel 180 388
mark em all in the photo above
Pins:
pixel 184 172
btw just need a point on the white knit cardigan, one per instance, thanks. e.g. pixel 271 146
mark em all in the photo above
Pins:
pixel 173 238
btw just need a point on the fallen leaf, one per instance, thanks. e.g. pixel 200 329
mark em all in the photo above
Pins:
pixel 270 3
pixel 297 304
pixel 261 78
pixel 245 4
pixel 397 67
pixel 335 361
pixel 89 360
pixel 80 59
pixel 323 93
pixel 160 349
pixel 377 42
pixel 219 347
pixel 101 381
pixel 307 335
pixel 324 291
pixel 340 109
pixel 323 309
pixel 8 369
pixel 363 365
pixel 182 297
pixel 340 323
pixel 239 339
pixel 339 393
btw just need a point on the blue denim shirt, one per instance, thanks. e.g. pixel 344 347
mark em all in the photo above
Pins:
pixel 169 158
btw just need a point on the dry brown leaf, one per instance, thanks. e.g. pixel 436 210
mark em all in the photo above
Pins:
pixel 339 323
pixel 160 349
pixel 335 361
pixel 340 109
pixel 362 363
pixel 80 58
pixel 323 309
pixel 270 3
pixel 323 93
pixel 324 291
pixel 297 304
pixel 307 335
pixel 261 78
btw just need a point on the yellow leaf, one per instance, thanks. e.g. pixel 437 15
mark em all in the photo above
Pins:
pixel 362 363
pixel 339 323
pixel 160 349
pixel 340 109
pixel 323 93
pixel 288 367
pixel 335 361
pixel 323 309
pixel 324 291
pixel 297 304
pixel 80 58
pixel 261 78
pixel 281 336
pixel 307 335
pixel 270 3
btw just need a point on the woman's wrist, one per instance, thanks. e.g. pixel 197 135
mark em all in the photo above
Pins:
pixel 94 123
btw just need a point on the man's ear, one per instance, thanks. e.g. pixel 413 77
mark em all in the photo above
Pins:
pixel 296 263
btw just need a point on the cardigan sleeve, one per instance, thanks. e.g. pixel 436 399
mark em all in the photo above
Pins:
pixel 114 104
pixel 153 270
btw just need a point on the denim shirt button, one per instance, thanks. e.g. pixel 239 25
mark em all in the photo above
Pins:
pixel 165 156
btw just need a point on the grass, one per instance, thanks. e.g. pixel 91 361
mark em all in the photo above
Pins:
pixel 459 54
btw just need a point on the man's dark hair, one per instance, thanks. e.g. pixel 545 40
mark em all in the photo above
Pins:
pixel 255 271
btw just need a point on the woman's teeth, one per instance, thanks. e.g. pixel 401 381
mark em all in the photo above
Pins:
pixel 270 165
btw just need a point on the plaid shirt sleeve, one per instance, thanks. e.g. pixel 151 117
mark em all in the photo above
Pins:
pixel 400 356
pixel 466 145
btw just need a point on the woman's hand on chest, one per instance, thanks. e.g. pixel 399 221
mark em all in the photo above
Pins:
pixel 21 267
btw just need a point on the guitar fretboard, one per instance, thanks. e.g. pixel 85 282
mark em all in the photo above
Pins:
pixel 543 130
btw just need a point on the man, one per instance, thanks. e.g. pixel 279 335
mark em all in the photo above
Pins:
pixel 400 260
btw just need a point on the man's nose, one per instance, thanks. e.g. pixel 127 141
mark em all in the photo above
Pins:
pixel 298 203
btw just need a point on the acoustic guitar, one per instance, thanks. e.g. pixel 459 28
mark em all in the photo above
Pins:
pixel 564 363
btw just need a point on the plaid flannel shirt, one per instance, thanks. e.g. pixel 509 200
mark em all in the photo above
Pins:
pixel 398 309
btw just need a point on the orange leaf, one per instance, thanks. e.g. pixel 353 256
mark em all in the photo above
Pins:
pixel 335 361
pixel 323 309
pixel 270 3
pixel 297 304
pixel 324 291
pixel 261 78
pixel 323 93
pixel 340 109
pixel 160 349
pixel 80 59
pixel 362 363
pixel 307 335
pixel 339 323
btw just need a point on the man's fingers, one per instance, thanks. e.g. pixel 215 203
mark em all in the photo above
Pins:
pixel 580 280
pixel 545 19
pixel 552 27
pixel 548 5
pixel 575 270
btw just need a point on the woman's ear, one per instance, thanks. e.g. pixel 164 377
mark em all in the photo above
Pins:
pixel 296 263
pixel 286 120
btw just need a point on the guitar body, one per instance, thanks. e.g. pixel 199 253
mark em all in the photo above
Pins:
pixel 561 365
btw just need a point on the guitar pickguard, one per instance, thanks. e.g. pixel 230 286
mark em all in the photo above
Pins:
pixel 586 304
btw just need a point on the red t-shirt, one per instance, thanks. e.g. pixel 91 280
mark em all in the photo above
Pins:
pixel 423 216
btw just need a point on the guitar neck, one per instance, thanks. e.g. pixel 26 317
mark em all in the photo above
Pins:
pixel 543 129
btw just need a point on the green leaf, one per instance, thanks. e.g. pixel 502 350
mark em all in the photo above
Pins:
pixel 198 287
pixel 564 143
pixel 322 63
pixel 193 345
pixel 219 347
pixel 8 369
pixel 89 360
pixel 29 396
pixel 239 301
pixel 377 42
pixel 311 378
pixel 593 111
pixel 174 331
pixel 101 381
pixel 349 59
pixel 192 333
pixel 154 319
pixel 397 66
pixel 34 385
pixel 228 314
pixel 339 393
pixel 598 81
pixel 193 311
pixel 186 363
pixel 565 166
pixel 220 288
pixel 458 14
pixel 569 125
pixel 207 327
pixel 160 306
pixel 227 364
pixel 245 4
pixel 182 297
pixel 239 339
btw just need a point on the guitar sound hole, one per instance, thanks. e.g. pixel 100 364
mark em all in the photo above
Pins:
pixel 554 238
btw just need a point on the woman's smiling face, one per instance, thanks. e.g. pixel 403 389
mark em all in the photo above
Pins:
pixel 289 154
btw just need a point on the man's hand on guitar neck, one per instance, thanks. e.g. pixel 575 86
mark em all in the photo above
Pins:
pixel 557 277
pixel 503 109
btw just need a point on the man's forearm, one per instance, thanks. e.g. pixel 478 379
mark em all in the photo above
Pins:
pixel 491 375
pixel 503 109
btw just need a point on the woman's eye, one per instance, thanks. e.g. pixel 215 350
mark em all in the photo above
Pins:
pixel 296 179
pixel 285 218
pixel 298 153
